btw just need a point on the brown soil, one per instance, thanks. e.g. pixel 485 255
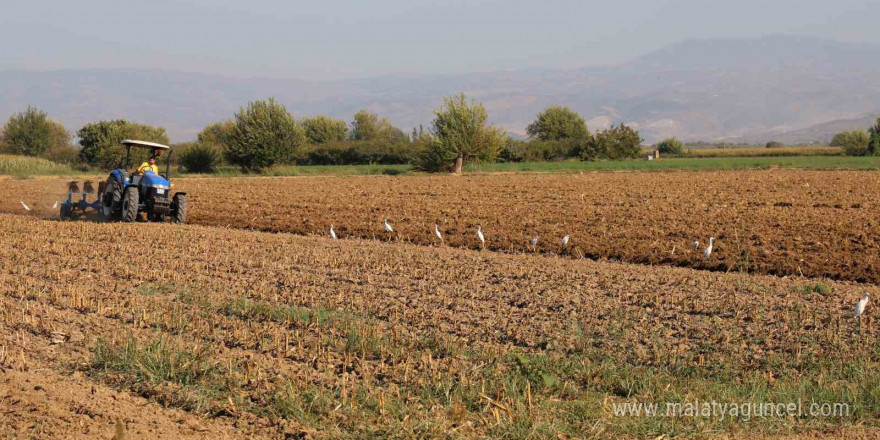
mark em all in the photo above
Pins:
pixel 783 222
pixel 186 285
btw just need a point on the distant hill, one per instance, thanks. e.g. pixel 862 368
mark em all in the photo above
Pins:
pixel 757 89
pixel 819 133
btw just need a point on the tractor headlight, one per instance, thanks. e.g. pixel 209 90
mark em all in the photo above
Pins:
pixel 160 191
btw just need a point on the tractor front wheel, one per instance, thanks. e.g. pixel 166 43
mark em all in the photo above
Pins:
pixel 178 208
pixel 130 204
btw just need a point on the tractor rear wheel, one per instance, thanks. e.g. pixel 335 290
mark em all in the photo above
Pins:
pixel 178 208
pixel 130 204
pixel 112 196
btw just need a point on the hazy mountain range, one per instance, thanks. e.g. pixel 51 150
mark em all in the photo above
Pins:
pixel 794 89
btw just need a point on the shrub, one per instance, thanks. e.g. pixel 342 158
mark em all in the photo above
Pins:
pixel 357 153
pixel 618 142
pixel 874 139
pixel 853 143
pixel 670 146
pixel 31 133
pixel 774 144
pixel 264 134
pixel 539 151
pixel 199 158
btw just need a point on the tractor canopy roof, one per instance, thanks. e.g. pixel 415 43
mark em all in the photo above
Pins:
pixel 144 144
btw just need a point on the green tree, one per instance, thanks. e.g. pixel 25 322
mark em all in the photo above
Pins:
pixel 264 134
pixel 874 143
pixel 460 134
pixel 368 127
pixel 670 146
pixel 774 144
pixel 853 143
pixel 322 129
pixel 31 133
pixel 101 142
pixel 558 123
pixel 618 142
pixel 216 134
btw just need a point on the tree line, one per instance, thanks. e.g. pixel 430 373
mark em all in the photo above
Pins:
pixel 859 142
pixel 264 134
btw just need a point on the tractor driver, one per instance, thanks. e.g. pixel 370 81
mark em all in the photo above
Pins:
pixel 148 166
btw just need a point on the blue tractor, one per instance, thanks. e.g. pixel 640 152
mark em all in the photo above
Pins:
pixel 124 196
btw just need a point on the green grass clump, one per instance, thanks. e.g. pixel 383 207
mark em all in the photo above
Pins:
pixel 148 368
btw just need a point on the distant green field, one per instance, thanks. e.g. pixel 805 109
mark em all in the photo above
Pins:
pixel 22 167
pixel 719 163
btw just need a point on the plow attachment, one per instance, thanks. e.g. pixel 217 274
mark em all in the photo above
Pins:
pixel 70 206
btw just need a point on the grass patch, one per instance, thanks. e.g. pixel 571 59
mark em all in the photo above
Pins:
pixel 149 368
pixel 249 309
pixel 817 287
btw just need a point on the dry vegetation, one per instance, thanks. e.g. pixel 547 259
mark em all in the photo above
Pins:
pixel 284 337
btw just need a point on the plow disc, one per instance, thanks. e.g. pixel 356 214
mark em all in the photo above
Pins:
pixel 70 207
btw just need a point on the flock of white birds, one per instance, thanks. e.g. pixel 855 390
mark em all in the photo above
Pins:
pixel 707 252
pixel 859 309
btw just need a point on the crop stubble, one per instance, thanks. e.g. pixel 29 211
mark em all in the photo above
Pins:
pixel 346 338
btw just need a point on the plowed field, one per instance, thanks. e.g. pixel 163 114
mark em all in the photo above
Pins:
pixel 279 336
pixel 785 222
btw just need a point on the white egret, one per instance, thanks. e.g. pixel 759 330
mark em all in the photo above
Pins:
pixel 388 227
pixel 565 242
pixel 860 306
pixel 55 206
pixel 708 251
pixel 480 236
pixel 437 233
pixel 26 207
pixel 696 245
pixel 534 241
pixel 332 233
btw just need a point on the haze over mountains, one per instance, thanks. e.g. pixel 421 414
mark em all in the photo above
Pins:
pixel 794 89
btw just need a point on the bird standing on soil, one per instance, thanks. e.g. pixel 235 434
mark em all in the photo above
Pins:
pixel 437 233
pixel 481 237
pixel 534 241
pixel 332 233
pixel 565 243
pixel 26 207
pixel 708 251
pixel 388 227
pixel 55 206
pixel 860 306
pixel 696 245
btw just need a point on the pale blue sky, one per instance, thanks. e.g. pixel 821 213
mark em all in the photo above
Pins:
pixel 348 38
